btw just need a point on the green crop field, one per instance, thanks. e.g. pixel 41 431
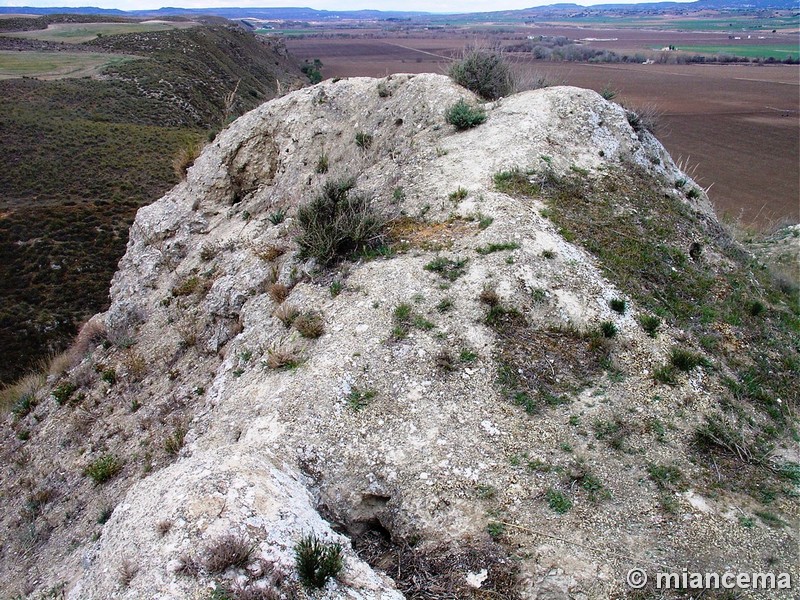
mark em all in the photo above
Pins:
pixel 667 23
pixel 777 51
pixel 79 33
pixel 55 65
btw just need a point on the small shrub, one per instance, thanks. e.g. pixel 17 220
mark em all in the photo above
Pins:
pixel 618 305
pixel 109 376
pixel 458 195
pixel 496 247
pixel 188 286
pixel 104 515
pixel 666 477
pixel 103 468
pixel 515 183
pixel 463 116
pixel 614 433
pixel 23 405
pixel 322 163
pixel 756 308
pixel 338 223
pixel 174 442
pixel 358 398
pixel 693 193
pixel 364 140
pixel 650 323
pixel 484 72
pixel 310 325
pixel 495 529
pixel 499 315
pixel 445 361
pixel 558 501
pixel 317 562
pixel 446 268
pixel 608 329
pixel 665 374
pixel 270 252
pixel 209 251
pixel 608 93
pixel 336 288
pixel 685 360
pixel 227 551
pixel 548 254
pixel 277 216
pixel 398 194
pixel 163 527
pixel 445 305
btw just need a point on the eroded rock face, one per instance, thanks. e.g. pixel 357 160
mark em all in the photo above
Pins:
pixel 409 438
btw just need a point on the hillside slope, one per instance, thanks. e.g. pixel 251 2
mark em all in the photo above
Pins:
pixel 81 155
pixel 552 366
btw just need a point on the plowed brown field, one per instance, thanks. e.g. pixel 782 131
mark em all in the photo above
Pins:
pixel 735 127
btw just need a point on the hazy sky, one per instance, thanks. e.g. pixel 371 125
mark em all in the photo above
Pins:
pixel 421 5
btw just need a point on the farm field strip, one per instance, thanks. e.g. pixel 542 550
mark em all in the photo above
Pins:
pixel 56 65
pixel 78 33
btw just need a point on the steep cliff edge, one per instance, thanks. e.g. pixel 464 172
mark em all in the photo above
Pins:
pixel 554 366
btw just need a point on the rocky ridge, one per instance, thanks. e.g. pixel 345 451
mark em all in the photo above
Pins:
pixel 227 422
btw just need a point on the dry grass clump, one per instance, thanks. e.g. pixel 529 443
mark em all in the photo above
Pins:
pixel 91 335
pixel 27 387
pixel 310 324
pixel 127 571
pixel 270 252
pixel 227 551
pixel 489 297
pixel 185 157
pixel 135 365
pixel 286 314
pixel 283 357
pixel 278 292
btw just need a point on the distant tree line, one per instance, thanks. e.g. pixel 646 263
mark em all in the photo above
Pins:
pixel 562 49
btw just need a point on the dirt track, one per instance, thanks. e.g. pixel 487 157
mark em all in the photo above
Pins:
pixel 736 127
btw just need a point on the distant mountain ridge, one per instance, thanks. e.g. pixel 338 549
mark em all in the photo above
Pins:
pixel 311 14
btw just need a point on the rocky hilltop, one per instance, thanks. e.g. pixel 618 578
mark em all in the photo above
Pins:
pixel 546 364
